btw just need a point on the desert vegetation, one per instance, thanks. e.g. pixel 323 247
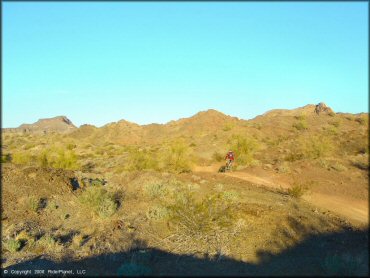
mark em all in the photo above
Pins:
pixel 90 193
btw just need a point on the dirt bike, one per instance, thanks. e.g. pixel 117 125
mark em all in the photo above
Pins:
pixel 229 164
pixel 227 167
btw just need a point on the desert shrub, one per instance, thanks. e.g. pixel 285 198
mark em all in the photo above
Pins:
pixel 177 158
pixel 22 158
pixel 317 147
pixel 65 160
pixel 34 204
pixel 99 200
pixel 141 160
pixel 231 195
pixel 192 144
pixel 79 239
pixel 323 163
pixel 216 156
pixel 338 167
pixel 58 158
pixel 191 217
pixel 297 190
pixel 331 114
pixel 12 245
pixel 43 159
pixel 244 149
pixel 296 152
pixel 332 130
pixel 228 127
pixel 301 125
pixel 155 190
pixel 48 242
pixel 52 205
pixel 157 212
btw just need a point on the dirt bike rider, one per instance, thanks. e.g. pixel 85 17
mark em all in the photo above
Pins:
pixel 229 159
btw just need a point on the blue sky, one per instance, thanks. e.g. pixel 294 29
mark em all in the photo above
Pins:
pixel 154 62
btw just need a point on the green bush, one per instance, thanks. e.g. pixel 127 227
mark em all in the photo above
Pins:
pixel 65 160
pixel 34 204
pixel 12 245
pixel 99 200
pixel 332 130
pixel 142 160
pixel 191 217
pixel 58 158
pixel 301 125
pixel 244 149
pixel 318 146
pixel 177 158
pixel 22 158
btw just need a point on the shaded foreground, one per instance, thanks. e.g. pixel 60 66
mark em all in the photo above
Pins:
pixel 342 253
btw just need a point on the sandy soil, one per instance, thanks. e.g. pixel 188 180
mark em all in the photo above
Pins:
pixel 354 210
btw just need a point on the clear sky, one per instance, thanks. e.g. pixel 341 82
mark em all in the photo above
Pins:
pixel 153 62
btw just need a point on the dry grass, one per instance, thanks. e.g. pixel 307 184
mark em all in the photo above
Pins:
pixel 297 190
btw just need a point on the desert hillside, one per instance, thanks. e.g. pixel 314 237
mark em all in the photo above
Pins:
pixel 135 199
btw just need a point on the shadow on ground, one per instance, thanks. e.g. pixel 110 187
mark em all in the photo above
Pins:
pixel 343 253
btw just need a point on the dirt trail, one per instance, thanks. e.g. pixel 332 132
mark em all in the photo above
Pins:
pixel 355 211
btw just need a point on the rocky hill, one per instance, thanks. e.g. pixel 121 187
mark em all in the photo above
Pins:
pixel 60 124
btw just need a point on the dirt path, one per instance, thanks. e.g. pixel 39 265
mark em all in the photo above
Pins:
pixel 355 211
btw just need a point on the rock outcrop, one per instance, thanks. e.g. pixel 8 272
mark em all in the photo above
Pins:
pixel 322 108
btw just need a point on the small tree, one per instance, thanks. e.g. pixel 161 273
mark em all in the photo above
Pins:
pixel 178 157
pixel 244 149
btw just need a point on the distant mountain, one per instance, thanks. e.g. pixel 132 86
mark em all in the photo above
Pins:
pixel 207 125
pixel 59 124
pixel 307 110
